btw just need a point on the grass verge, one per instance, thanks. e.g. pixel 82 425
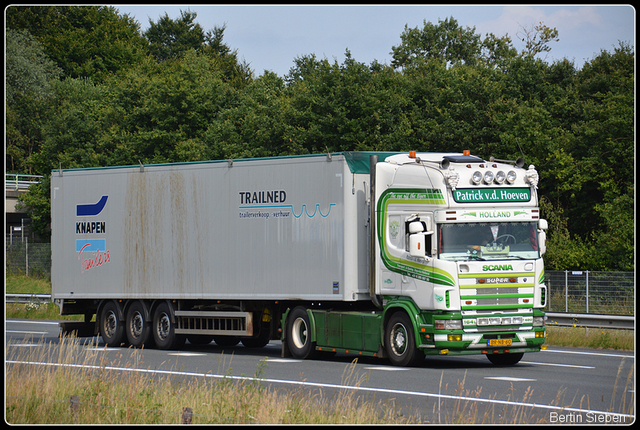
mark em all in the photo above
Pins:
pixel 111 391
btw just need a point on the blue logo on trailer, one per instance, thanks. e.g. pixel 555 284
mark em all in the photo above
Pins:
pixel 91 209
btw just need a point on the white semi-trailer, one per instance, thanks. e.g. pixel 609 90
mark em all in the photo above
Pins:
pixel 383 254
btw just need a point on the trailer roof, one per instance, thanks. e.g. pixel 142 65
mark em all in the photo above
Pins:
pixel 358 161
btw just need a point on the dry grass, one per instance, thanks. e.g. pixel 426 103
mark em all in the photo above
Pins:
pixel 42 394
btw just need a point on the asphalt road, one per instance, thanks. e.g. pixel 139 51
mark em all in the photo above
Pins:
pixel 558 385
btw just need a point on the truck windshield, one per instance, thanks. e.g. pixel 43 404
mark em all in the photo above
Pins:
pixel 488 241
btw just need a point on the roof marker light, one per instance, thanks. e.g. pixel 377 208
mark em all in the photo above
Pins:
pixel 412 154
pixel 466 152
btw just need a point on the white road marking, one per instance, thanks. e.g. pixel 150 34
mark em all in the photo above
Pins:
pixel 587 353
pixel 186 354
pixel 558 364
pixel 387 368
pixel 26 332
pixel 508 378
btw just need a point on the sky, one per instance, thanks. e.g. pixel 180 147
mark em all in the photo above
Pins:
pixel 271 37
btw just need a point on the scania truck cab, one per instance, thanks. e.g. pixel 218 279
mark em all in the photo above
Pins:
pixel 461 254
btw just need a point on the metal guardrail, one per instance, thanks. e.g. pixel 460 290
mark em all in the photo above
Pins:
pixel 14 181
pixel 620 322
pixel 27 298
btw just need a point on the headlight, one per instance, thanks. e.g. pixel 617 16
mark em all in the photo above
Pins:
pixel 488 177
pixel 511 177
pixel 448 324
pixel 538 321
pixel 500 177
pixel 476 177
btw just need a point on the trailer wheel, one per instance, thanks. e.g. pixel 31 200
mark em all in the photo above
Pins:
pixel 164 331
pixel 137 326
pixel 299 334
pixel 400 341
pixel 111 328
pixel 505 359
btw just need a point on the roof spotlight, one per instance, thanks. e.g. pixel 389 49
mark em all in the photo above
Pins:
pixel 476 177
pixel 500 177
pixel 511 176
pixel 488 177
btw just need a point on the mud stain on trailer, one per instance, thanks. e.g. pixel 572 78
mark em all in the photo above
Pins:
pixel 178 229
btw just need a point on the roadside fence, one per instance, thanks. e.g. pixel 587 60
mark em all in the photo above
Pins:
pixel 591 292
pixel 30 259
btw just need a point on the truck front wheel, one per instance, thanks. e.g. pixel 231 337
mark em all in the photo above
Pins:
pixel 505 359
pixel 299 334
pixel 163 329
pixel 111 327
pixel 400 341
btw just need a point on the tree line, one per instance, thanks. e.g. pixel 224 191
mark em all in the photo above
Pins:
pixel 86 87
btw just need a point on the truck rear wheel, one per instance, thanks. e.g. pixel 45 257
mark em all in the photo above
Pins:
pixel 111 328
pixel 505 359
pixel 163 329
pixel 227 341
pixel 299 334
pixel 137 325
pixel 400 341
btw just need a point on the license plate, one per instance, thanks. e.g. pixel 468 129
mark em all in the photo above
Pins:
pixel 499 342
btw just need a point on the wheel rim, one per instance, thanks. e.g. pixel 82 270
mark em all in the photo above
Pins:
pixel 110 324
pixel 164 326
pixel 136 325
pixel 398 339
pixel 299 333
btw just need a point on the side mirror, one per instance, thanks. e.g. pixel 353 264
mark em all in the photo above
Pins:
pixel 418 240
pixel 542 235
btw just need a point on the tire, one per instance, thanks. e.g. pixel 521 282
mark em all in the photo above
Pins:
pixel 163 329
pixel 111 328
pixel 255 342
pixel 137 325
pixel 226 341
pixel 505 359
pixel 299 334
pixel 199 339
pixel 400 341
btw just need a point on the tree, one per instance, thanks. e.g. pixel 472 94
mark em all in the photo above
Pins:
pixel 169 39
pixel 84 41
pixel 537 39
pixel 446 41
pixel 29 75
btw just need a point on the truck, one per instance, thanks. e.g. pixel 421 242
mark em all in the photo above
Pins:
pixel 384 254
